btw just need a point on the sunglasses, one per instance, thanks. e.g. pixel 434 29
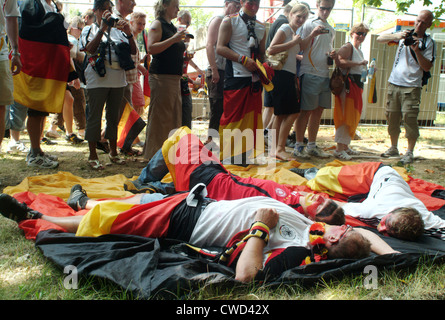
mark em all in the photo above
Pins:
pixel 361 34
pixel 326 8
pixel 344 233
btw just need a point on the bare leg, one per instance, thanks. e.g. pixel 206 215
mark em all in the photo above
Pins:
pixel 136 199
pixel 70 224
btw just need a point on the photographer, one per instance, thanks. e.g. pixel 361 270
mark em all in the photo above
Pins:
pixel 414 58
pixel 105 76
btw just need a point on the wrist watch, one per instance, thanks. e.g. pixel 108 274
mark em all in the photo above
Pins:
pixel 15 53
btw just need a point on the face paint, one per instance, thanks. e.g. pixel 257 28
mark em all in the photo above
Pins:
pixel 313 201
pixel 251 7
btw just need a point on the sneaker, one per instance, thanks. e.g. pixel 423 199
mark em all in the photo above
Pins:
pixel 317 152
pixel 134 186
pixel 342 155
pixel 300 152
pixel 52 134
pixel 78 198
pixel 73 138
pixel 16 146
pixel 407 158
pixel 299 171
pixel 391 152
pixel 41 161
pixel 14 210
pixel 45 140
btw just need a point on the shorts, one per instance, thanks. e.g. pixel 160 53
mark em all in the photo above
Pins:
pixel 284 94
pixel 6 84
pixel 403 104
pixel 314 92
pixel 15 117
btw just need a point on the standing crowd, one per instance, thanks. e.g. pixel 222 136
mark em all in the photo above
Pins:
pixel 290 63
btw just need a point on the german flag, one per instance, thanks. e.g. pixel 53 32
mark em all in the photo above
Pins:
pixel 149 220
pixel 45 56
pixel 345 181
pixel 130 125
pixel 348 112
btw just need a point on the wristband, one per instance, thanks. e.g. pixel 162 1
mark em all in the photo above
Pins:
pixel 259 230
pixel 242 60
pixel 15 53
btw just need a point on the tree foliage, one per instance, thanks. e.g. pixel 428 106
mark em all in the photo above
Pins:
pixel 404 5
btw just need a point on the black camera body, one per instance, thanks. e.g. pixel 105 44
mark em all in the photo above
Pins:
pixel 409 39
pixel 111 22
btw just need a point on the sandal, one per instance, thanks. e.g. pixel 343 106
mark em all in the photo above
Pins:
pixel 116 159
pixel 131 152
pixel 95 164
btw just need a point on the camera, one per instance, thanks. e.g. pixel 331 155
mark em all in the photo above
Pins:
pixel 189 35
pixel 111 21
pixel 325 30
pixel 409 39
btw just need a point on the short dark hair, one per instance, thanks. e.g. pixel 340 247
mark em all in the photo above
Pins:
pixel 332 213
pixel 406 225
pixel 99 4
pixel 353 246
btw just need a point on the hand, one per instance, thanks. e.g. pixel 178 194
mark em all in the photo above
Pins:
pixel 267 216
pixel 296 39
pixel 333 54
pixel 106 15
pixel 215 75
pixel 251 65
pixel 16 65
pixel 179 36
pixel 124 26
pixel 364 63
pixel 317 31
pixel 76 84
pixel 189 56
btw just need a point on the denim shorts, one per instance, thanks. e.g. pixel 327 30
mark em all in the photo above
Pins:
pixel 15 117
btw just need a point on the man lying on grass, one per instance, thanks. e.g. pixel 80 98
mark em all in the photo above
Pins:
pixel 261 237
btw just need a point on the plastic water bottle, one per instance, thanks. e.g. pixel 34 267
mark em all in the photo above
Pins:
pixel 311 173
pixel 371 69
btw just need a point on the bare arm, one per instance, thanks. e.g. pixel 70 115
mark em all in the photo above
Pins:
pixel 154 43
pixel 344 58
pixel 378 246
pixel 424 63
pixel 212 39
pixel 278 45
pixel 222 48
pixel 251 258
pixel 12 29
pixel 388 37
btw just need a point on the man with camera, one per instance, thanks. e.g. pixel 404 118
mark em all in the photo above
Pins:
pixel 414 58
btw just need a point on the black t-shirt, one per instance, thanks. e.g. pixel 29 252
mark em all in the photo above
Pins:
pixel 171 60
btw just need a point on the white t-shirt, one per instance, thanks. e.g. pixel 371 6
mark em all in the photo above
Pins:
pixel 389 191
pixel 114 78
pixel 8 8
pixel 315 58
pixel 221 220
pixel 357 56
pixel 240 43
pixel 291 61
pixel 406 71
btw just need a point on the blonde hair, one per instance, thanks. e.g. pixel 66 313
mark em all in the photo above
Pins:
pixel 137 15
pixel 76 22
pixel 359 26
pixel 159 7
pixel 299 8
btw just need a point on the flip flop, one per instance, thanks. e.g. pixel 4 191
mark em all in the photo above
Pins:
pixel 116 160
pixel 95 165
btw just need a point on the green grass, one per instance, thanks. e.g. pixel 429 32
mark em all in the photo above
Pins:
pixel 25 274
